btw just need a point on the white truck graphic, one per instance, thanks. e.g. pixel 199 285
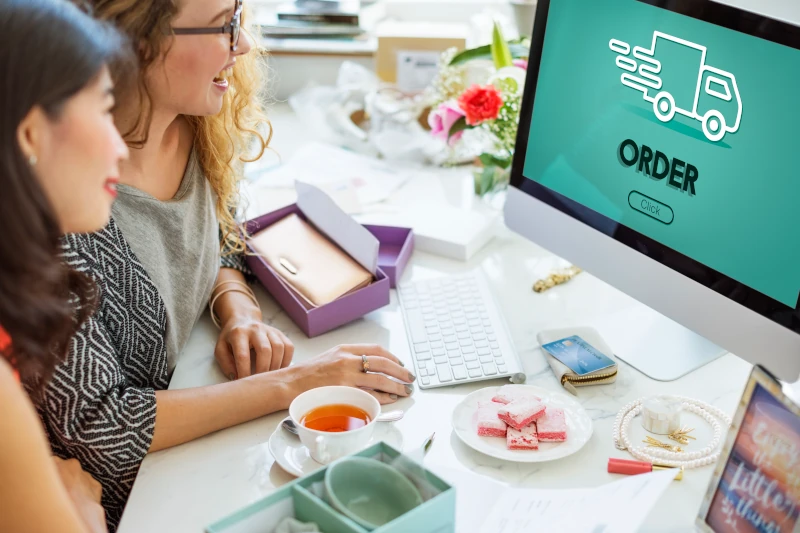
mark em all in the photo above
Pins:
pixel 713 100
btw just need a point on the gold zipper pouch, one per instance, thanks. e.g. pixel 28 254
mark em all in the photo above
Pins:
pixel 569 379
pixel 309 264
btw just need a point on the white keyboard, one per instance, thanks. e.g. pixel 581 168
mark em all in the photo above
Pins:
pixel 456 332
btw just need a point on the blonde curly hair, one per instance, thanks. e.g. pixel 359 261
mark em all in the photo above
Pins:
pixel 218 138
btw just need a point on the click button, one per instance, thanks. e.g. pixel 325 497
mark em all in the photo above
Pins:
pixel 651 207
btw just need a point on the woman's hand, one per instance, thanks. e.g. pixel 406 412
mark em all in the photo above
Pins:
pixel 343 365
pixel 85 493
pixel 245 342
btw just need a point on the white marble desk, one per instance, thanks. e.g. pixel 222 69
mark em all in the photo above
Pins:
pixel 185 488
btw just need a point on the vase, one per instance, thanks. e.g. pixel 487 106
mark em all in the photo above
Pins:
pixel 491 183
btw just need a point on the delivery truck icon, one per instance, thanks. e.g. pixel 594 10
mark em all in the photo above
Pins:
pixel 674 77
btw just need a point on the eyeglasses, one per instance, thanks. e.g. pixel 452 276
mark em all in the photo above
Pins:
pixel 233 27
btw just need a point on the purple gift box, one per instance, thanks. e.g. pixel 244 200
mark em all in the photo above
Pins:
pixel 396 245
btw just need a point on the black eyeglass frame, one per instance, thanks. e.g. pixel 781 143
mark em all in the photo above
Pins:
pixel 234 27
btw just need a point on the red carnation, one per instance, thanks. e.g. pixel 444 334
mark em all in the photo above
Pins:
pixel 481 103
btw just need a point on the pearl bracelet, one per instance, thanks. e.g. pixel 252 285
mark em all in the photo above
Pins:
pixel 708 455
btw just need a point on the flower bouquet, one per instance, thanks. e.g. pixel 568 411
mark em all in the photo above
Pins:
pixel 478 92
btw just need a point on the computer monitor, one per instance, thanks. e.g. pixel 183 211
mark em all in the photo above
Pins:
pixel 658 149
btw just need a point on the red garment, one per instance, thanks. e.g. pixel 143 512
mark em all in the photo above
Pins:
pixel 5 342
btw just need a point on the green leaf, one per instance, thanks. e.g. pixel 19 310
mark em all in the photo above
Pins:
pixel 501 55
pixel 490 160
pixel 486 181
pixel 459 125
pixel 517 48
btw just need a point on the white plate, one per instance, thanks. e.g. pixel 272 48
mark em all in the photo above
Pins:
pixel 579 427
pixel 293 457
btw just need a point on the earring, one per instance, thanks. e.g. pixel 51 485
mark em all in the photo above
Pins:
pixel 32 160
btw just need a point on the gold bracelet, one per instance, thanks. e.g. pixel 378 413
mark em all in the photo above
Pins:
pixel 220 293
pixel 242 283
pixel 556 278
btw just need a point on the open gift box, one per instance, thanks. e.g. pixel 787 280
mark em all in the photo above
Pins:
pixel 304 500
pixel 383 250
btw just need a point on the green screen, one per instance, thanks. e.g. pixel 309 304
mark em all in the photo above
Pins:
pixel 724 197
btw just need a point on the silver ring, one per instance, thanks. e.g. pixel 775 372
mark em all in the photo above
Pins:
pixel 364 364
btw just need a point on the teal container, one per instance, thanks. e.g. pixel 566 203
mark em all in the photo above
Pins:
pixel 299 499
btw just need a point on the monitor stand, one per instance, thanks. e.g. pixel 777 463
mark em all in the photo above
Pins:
pixel 655 345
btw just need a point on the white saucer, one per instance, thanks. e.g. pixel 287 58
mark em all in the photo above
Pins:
pixel 579 427
pixel 293 457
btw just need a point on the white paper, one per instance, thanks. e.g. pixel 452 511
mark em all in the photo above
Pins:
pixel 351 236
pixel 416 69
pixel 331 169
pixel 618 507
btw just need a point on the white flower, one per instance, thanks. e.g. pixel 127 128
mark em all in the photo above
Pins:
pixel 512 78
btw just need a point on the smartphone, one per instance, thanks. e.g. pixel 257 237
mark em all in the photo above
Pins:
pixel 578 355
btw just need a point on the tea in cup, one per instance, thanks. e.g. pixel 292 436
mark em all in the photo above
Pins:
pixel 334 421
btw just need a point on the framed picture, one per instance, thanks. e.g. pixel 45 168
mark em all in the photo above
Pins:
pixel 756 483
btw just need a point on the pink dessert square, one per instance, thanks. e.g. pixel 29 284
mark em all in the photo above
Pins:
pixel 552 427
pixel 489 425
pixel 510 393
pixel 521 413
pixel 522 439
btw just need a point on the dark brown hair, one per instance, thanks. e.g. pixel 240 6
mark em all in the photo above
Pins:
pixel 49 51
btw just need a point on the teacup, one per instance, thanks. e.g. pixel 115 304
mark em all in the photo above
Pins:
pixel 324 446
pixel 370 492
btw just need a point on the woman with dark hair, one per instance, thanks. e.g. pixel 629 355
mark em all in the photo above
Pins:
pixel 59 162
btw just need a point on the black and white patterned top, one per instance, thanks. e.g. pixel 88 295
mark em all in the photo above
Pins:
pixel 100 406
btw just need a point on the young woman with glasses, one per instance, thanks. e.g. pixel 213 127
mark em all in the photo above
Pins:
pixel 173 246
pixel 59 163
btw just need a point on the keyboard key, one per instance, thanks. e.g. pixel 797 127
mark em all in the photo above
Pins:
pixel 416 325
pixel 443 372
pixel 496 352
pixel 475 330
pixel 470 357
pixel 483 351
pixel 467 349
pixel 486 359
pixel 479 336
pixel 459 322
pixel 473 364
pixel 465 342
pixel 437 344
pixel 494 345
pixel 476 373
pixel 422 347
pixel 440 359
pixel 499 361
pixel 450 338
pixel 456 362
pixel 454 353
pixel 488 370
pixel 452 345
pixel 480 343
pixel 438 351
pixel 502 369
pixel 491 337
pixel 486 322
pixel 489 331
pixel 465 335
pixel 472 315
pixel 424 356
pixel 459 329
pixel 459 372
pixel 448 330
pixel 426 381
pixel 474 322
